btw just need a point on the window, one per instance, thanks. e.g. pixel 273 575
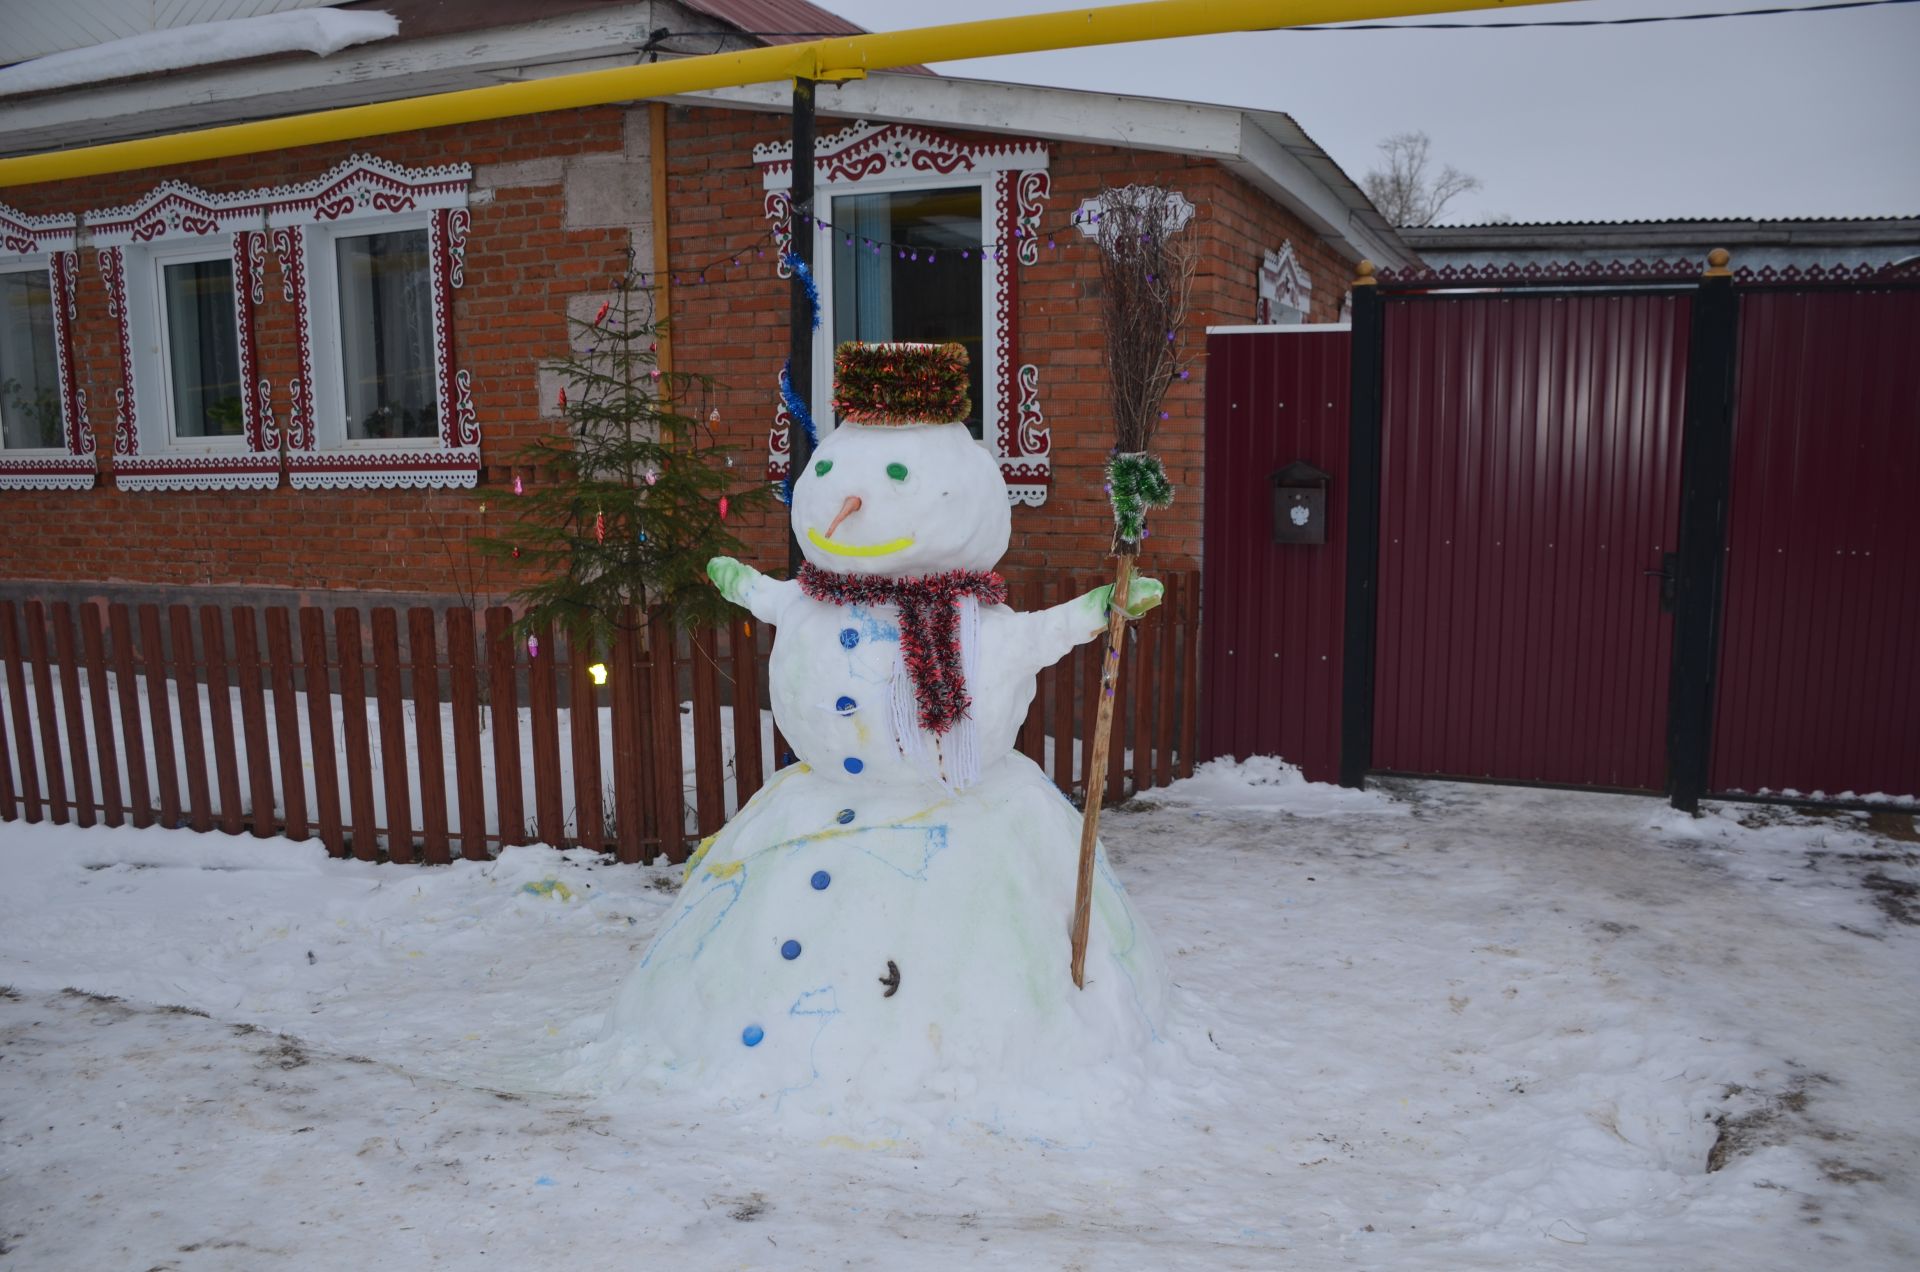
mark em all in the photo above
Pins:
pixel 45 442
pixel 201 341
pixel 907 267
pixel 386 335
pixel 922 238
pixel 29 371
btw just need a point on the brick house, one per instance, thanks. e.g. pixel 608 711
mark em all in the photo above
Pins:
pixel 278 375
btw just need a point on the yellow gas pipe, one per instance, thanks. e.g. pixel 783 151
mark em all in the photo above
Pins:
pixel 837 58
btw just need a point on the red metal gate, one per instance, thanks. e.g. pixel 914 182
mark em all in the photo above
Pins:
pixel 1273 611
pixel 1819 671
pixel 1530 473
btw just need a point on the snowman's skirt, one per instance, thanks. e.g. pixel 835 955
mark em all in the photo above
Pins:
pixel 768 985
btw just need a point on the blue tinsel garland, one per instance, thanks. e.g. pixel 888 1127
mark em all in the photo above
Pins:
pixel 804 273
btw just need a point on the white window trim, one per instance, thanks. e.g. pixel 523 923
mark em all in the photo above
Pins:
pixel 362 190
pixel 146 290
pixel 371 196
pixel 1285 289
pixel 177 222
pixel 35 244
pixel 1014 185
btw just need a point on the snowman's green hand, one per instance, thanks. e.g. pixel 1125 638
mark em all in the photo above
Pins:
pixel 1142 595
pixel 732 578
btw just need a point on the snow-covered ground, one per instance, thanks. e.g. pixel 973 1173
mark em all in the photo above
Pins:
pixel 1452 1028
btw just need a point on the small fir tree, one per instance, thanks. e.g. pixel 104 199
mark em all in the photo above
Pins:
pixel 634 497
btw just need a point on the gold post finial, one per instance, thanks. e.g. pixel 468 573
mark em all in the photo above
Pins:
pixel 1717 263
pixel 1363 275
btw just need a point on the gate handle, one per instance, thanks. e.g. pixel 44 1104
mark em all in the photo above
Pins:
pixel 1669 580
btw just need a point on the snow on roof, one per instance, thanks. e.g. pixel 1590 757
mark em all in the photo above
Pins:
pixel 317 31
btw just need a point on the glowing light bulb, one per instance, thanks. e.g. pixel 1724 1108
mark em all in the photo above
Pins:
pixel 599 673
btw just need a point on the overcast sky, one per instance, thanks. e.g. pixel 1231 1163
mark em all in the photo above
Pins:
pixel 1797 115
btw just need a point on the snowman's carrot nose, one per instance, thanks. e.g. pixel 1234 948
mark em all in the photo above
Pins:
pixel 847 509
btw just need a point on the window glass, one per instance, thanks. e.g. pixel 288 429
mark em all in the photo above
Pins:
pixel 880 295
pixel 29 378
pixel 386 335
pixel 203 348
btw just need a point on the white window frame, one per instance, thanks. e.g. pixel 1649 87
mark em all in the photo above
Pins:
pixel 153 367
pixel 45 245
pixel 371 196
pixel 330 359
pixel 1014 185
pixel 172 224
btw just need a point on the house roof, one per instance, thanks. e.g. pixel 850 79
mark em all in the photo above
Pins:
pixel 1729 232
pixel 1268 148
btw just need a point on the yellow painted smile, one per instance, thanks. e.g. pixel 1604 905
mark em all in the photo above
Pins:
pixel 825 544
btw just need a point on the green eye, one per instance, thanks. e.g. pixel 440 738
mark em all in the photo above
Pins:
pixel 897 471
pixel 822 468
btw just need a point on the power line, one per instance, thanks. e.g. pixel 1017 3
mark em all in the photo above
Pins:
pixel 1597 22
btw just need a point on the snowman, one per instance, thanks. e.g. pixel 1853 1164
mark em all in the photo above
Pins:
pixel 883 930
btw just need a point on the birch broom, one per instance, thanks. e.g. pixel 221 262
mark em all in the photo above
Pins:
pixel 1145 270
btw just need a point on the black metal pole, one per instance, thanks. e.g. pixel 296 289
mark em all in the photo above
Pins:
pixel 800 320
pixel 1363 530
pixel 1706 471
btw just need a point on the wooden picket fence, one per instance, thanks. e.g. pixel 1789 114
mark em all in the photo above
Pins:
pixel 404 737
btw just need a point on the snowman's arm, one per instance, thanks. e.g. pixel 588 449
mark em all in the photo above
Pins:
pixel 1046 636
pixel 767 598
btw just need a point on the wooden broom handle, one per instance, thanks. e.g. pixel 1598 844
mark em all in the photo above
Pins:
pixel 1097 766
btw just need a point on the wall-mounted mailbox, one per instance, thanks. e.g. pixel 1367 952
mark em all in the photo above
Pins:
pixel 1300 503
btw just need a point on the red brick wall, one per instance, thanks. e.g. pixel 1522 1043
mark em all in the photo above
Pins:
pixel 523 263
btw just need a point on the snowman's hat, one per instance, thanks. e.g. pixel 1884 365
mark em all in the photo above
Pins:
pixel 898 384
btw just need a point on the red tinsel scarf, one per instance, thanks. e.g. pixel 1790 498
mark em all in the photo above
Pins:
pixel 929 628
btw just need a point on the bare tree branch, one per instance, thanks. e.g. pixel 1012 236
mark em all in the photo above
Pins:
pixel 1407 191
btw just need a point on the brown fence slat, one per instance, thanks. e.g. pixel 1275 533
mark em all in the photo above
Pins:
pixel 669 787
pixel 74 715
pixel 9 803
pixel 709 761
pixel 106 747
pixel 468 782
pixel 1163 717
pixel 49 719
pixel 1145 688
pixel 326 775
pixel 655 835
pixel 583 727
pixel 629 809
pixel 23 743
pixel 286 723
pixel 138 794
pixel 226 769
pixel 193 743
pixel 354 735
pixel 253 719
pixel 428 752
pixel 503 705
pixel 153 669
pixel 1060 682
pixel 1190 669
pixel 748 766
pixel 548 811
pixel 393 733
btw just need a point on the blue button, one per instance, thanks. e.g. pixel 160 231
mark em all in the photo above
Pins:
pixel 752 1035
pixel 820 880
pixel 790 951
pixel 845 816
pixel 849 637
pixel 853 764
pixel 845 705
